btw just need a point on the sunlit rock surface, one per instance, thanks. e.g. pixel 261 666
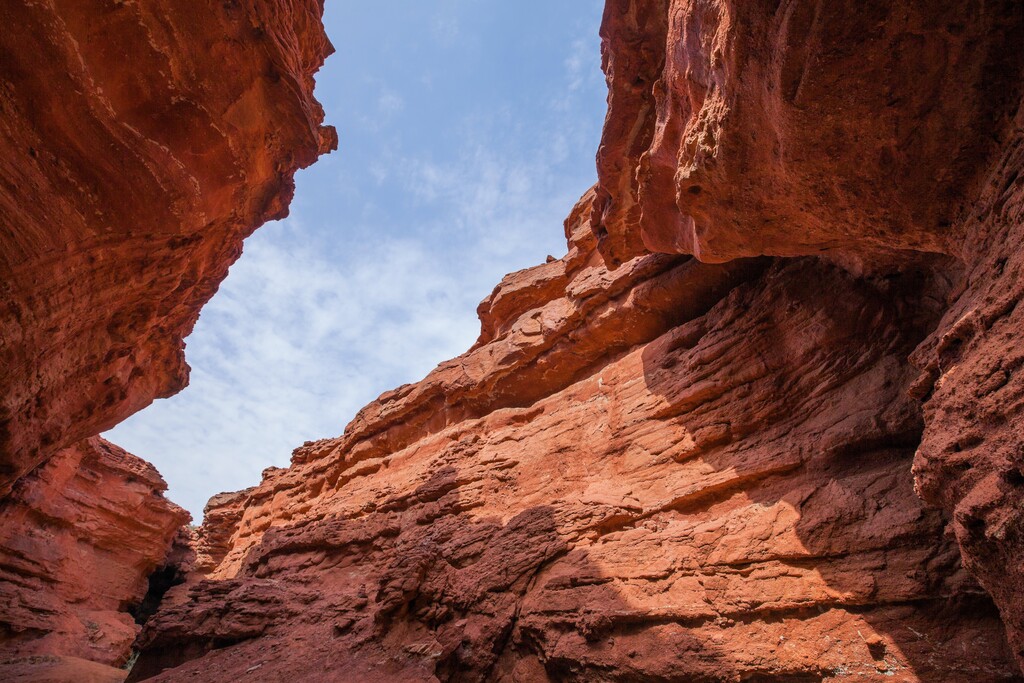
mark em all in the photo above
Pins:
pixel 79 538
pixel 708 477
pixel 762 422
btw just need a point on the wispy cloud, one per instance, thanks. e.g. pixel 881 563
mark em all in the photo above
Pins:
pixel 291 347
pixel 445 29
pixel 389 102
pixel 374 279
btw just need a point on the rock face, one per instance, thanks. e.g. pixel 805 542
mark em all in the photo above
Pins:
pixel 971 458
pixel 78 539
pixel 653 468
pixel 763 422
pixel 793 127
pixel 669 471
pixel 864 132
pixel 140 142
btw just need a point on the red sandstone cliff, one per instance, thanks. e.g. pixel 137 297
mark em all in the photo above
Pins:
pixel 799 468
pixel 140 142
pixel 855 129
pixel 678 471
pixel 866 132
pixel 78 539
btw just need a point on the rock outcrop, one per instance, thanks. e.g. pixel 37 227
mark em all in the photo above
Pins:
pixel 851 128
pixel 762 422
pixel 140 142
pixel 653 468
pixel 971 458
pixel 707 477
pixel 79 537
pixel 868 133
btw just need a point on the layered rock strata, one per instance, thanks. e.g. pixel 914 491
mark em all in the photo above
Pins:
pixel 79 538
pixel 795 457
pixel 140 142
pixel 851 128
pixel 865 132
pixel 713 483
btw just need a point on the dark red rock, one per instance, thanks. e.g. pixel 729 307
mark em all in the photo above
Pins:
pixel 971 458
pixel 749 127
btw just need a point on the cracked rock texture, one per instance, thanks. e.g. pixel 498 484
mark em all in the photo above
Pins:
pixel 140 142
pixel 78 538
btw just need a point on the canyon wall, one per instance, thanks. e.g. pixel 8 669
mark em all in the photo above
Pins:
pixel 798 468
pixel 79 537
pixel 140 142
pixel 799 127
pixel 762 422
pixel 869 133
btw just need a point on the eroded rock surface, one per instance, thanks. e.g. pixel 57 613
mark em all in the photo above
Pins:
pixel 140 142
pixel 79 538
pixel 716 487
pixel 971 459
pixel 863 132
pixel 848 127
pixel 803 463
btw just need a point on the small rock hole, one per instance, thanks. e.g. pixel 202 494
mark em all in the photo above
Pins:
pixel 1013 477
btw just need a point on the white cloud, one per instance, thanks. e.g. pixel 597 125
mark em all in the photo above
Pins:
pixel 290 348
pixel 390 102
pixel 578 65
pixel 445 29
pixel 373 280
pixel 310 325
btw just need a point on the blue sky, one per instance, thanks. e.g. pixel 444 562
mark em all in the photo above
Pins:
pixel 467 132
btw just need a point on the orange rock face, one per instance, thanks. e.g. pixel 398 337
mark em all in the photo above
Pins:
pixel 78 539
pixel 140 142
pixel 763 422
pixel 714 484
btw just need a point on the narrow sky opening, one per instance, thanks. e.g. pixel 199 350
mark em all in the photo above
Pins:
pixel 468 131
